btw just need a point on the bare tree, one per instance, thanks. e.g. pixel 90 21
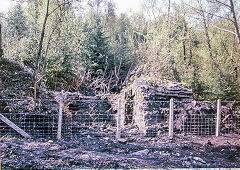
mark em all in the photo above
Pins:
pixel 38 59
pixel 231 7
pixel 202 13
pixel 40 46
pixel 235 21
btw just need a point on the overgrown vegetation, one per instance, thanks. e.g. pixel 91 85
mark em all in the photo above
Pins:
pixel 75 47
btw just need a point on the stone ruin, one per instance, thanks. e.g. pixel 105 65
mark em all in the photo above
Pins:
pixel 40 118
pixel 82 114
pixel 147 108
pixel 147 105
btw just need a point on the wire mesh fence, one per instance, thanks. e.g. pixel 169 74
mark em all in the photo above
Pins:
pixel 40 118
pixel 99 118
pixel 155 117
pixel 194 118
pixel 88 117
pixel 230 117
pixel 148 118
pixel 37 118
pixel 37 125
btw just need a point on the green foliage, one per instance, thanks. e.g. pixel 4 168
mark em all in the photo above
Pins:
pixel 28 52
pixel 106 51
pixel 96 56
pixel 17 21
pixel 59 74
pixel 63 52
pixel 99 49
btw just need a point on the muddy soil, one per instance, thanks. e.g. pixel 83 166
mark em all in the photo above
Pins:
pixel 136 152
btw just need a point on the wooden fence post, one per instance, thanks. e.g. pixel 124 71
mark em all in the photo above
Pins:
pixel 118 132
pixel 60 115
pixel 171 119
pixel 218 121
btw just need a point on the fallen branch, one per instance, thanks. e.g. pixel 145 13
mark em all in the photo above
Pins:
pixel 226 117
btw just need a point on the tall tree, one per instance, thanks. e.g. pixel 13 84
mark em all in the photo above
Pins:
pixel 95 52
pixel 39 53
pixel 234 20
pixel 48 13
pixel 16 21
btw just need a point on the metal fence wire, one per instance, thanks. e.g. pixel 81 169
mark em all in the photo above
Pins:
pixel 99 118
pixel 88 117
pixel 194 118
pixel 151 117
pixel 39 118
pixel 230 117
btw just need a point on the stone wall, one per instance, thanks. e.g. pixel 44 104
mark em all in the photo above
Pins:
pixel 85 109
pixel 147 105
pixel 80 114
pixel 147 108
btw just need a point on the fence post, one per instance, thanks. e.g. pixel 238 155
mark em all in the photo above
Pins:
pixel 218 121
pixel 60 115
pixel 171 119
pixel 118 132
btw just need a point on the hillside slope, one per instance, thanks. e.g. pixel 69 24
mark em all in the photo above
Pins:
pixel 15 80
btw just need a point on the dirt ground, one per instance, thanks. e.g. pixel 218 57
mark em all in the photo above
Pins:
pixel 136 152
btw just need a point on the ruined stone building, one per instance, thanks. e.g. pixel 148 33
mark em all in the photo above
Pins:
pixel 147 104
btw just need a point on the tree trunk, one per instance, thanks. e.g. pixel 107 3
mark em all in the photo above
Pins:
pixel 237 32
pixel 168 32
pixel 235 21
pixel 207 36
pixel 206 30
pixel 38 59
pixel 184 41
pixel 208 39
pixel 234 64
pixel 171 60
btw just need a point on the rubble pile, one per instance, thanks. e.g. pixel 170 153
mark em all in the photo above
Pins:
pixel 199 118
pixel 15 80
pixel 230 118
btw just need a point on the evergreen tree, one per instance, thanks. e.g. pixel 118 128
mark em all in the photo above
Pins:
pixel 17 22
pixel 96 56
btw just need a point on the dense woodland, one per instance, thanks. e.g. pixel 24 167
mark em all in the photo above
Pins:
pixel 77 45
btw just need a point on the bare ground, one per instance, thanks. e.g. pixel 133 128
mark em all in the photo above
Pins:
pixel 136 152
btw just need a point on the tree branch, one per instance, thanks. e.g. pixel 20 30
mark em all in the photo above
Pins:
pixel 225 30
pixel 198 10
pixel 219 2
pixel 68 2
pixel 38 58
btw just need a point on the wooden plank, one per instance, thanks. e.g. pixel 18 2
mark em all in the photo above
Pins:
pixel 218 121
pixel 171 119
pixel 15 127
pixel 60 115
